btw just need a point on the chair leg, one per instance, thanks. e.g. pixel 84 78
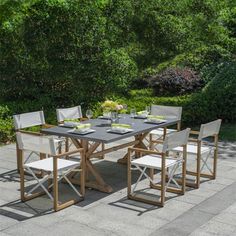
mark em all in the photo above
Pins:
pixel 82 174
pixel 129 174
pixel 55 185
pixel 198 172
pixel 215 157
pixel 184 164
pixel 22 175
pixel 150 142
pixel 18 154
pixel 163 185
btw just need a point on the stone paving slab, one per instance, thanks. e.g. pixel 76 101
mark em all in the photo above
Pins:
pixel 210 210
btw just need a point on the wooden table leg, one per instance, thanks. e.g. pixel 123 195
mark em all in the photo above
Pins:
pixel 140 144
pixel 90 169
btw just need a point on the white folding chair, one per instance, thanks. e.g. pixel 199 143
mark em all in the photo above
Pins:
pixel 54 167
pixel 27 120
pixel 203 151
pixel 170 112
pixel 162 161
pixel 71 113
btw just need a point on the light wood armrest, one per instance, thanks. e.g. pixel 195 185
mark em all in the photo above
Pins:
pixel 70 152
pixel 30 132
pixel 193 140
pixel 83 119
pixel 157 141
pixel 194 132
pixel 45 126
pixel 144 151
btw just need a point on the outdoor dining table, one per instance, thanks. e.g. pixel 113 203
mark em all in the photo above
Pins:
pixel 90 142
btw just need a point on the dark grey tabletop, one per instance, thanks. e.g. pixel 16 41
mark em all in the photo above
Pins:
pixel 101 126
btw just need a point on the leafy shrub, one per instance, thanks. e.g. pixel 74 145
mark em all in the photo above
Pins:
pixel 6 125
pixel 216 100
pixel 175 81
pixel 59 52
pixel 218 97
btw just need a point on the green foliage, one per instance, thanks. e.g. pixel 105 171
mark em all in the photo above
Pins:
pixel 175 81
pixel 6 125
pixel 218 98
pixel 59 53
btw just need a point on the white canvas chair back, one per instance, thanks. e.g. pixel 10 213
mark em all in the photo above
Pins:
pixel 167 111
pixel 69 113
pixel 29 119
pixel 40 144
pixel 175 140
pixel 209 129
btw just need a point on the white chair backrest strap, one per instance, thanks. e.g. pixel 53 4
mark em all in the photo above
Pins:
pixel 36 143
pixel 69 113
pixel 29 119
pixel 167 111
pixel 209 129
pixel 176 139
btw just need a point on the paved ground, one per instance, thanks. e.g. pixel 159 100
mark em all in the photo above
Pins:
pixel 210 210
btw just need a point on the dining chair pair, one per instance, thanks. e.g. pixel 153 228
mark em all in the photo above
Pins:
pixel 52 163
pixel 174 147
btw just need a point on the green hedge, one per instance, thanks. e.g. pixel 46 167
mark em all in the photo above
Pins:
pixel 216 100
pixel 59 52
pixel 6 125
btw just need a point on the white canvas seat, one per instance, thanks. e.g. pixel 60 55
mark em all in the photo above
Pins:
pixel 168 112
pixel 161 161
pixel 203 153
pixel 54 168
pixel 154 161
pixel 47 164
pixel 192 149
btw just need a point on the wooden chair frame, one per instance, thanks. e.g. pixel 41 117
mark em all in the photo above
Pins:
pixel 198 174
pixel 161 186
pixel 56 205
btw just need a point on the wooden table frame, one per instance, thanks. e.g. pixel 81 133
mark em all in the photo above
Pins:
pixel 99 182
pixel 90 143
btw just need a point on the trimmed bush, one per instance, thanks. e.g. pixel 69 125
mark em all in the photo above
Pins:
pixel 175 81
pixel 218 97
pixel 6 125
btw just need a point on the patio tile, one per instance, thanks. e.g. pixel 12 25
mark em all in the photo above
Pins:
pixel 6 222
pixel 231 209
pixel 26 228
pixel 217 227
pixel 195 213
pixel 74 228
pixel 227 218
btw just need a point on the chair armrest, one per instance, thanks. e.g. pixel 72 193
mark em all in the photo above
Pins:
pixel 144 151
pixel 194 132
pixel 83 119
pixel 70 152
pixel 45 126
pixel 31 132
pixel 193 140
pixel 158 141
